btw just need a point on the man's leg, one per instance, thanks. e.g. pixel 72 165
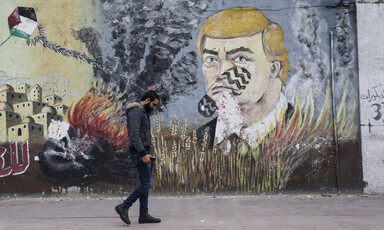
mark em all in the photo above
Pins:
pixel 144 170
pixel 141 192
pixel 122 209
pixel 146 179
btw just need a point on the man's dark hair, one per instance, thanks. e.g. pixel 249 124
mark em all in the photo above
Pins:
pixel 150 94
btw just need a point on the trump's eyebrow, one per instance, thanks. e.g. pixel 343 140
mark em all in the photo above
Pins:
pixel 207 51
pixel 244 49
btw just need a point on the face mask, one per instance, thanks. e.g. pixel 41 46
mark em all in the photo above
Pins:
pixel 148 108
pixel 238 76
pixel 207 106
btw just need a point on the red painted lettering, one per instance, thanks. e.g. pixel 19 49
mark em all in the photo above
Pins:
pixel 4 171
pixel 15 168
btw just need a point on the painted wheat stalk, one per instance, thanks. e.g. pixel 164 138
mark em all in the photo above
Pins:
pixel 266 167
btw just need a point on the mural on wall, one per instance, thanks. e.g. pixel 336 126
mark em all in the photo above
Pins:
pixel 15 168
pixel 270 107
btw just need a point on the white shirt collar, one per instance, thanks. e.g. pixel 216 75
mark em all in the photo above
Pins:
pixel 256 132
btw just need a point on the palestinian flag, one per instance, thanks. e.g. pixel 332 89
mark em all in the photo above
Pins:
pixel 22 22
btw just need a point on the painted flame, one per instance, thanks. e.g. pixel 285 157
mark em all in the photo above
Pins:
pixel 100 114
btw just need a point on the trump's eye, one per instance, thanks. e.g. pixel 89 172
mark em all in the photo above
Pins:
pixel 240 59
pixel 210 61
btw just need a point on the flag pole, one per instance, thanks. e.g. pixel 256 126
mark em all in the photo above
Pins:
pixel 6 40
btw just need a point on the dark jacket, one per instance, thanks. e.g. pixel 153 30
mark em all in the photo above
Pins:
pixel 139 128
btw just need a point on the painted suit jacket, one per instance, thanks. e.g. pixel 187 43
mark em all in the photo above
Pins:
pixel 210 127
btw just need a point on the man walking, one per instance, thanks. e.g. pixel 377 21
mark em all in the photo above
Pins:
pixel 138 126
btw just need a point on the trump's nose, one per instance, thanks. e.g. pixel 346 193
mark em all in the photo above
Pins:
pixel 224 66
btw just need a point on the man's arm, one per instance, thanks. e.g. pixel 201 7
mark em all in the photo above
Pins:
pixel 134 124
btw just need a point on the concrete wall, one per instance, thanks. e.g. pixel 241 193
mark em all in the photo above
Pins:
pixel 262 102
pixel 371 66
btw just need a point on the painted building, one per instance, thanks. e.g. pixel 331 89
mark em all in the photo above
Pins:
pixel 52 99
pixel 23 88
pixel 40 80
pixel 27 131
pixel 65 86
pixel 62 109
pixel 29 108
pixel 49 89
pixel 12 97
pixel 36 93
pixel 47 115
pixel 15 108
pixel 8 118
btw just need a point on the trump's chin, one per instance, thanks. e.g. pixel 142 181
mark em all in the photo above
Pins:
pixel 228 109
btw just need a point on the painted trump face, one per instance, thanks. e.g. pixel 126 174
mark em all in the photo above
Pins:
pixel 238 66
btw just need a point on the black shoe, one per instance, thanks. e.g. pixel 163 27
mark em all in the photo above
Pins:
pixel 148 219
pixel 123 212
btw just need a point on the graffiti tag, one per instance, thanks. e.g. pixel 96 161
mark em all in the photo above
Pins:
pixel 14 168
pixel 374 94
pixel 378 112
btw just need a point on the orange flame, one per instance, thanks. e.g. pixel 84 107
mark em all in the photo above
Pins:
pixel 100 115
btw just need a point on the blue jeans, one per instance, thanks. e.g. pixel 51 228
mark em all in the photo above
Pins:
pixel 146 182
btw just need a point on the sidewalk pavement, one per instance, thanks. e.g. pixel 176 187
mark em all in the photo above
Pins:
pixel 198 212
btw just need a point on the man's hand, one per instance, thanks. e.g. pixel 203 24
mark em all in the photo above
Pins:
pixel 147 158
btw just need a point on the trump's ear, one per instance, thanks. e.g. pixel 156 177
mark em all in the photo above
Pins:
pixel 275 69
